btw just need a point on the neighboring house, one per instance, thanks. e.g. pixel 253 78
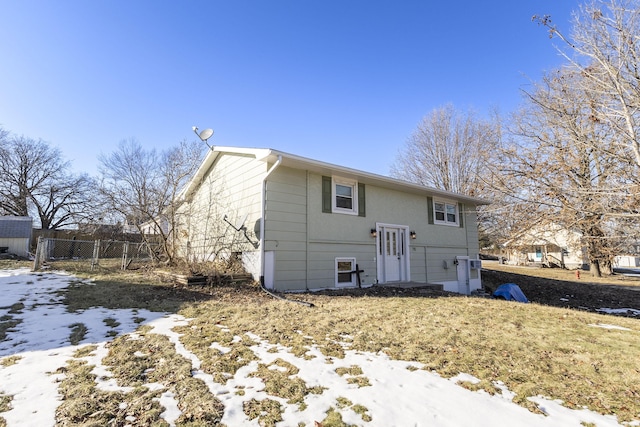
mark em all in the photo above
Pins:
pixel 159 226
pixel 629 256
pixel 548 244
pixel 15 235
pixel 300 224
pixel 626 261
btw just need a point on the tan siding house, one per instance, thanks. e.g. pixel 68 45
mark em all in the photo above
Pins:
pixel 299 224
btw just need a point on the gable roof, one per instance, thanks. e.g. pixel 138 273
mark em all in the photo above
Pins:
pixel 269 155
pixel 544 233
pixel 12 227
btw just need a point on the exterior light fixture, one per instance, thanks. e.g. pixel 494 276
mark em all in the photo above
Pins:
pixel 374 232
pixel 412 234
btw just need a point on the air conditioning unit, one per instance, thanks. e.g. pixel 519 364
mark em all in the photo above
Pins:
pixel 475 264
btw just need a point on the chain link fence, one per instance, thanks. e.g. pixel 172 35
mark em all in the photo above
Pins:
pixel 103 253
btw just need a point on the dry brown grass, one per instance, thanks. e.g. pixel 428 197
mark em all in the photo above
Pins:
pixel 125 289
pixel 533 349
pixel 134 362
pixel 152 358
pixel 85 405
pixel 5 402
pixel 5 405
pixel 10 360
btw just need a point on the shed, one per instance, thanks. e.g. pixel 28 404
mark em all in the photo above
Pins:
pixel 15 235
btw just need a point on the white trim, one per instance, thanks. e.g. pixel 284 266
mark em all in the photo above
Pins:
pixel 263 212
pixel 405 268
pixel 323 168
pixel 445 203
pixel 351 260
pixel 353 184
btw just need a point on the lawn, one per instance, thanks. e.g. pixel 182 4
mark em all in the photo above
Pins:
pixel 585 359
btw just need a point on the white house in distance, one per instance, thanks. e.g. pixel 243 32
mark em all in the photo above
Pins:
pixel 551 245
pixel 300 224
pixel 15 235
pixel 548 244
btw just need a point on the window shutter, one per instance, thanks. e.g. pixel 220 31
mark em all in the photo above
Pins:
pixel 361 200
pixel 461 214
pixel 430 209
pixel 326 194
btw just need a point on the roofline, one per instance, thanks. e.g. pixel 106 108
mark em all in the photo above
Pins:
pixel 292 160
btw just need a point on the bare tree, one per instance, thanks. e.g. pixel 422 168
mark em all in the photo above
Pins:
pixel 142 186
pixel 604 47
pixel 560 166
pixel 447 151
pixel 450 150
pixel 35 180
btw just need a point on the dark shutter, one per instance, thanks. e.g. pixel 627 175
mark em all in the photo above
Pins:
pixel 461 214
pixel 362 211
pixel 326 194
pixel 430 209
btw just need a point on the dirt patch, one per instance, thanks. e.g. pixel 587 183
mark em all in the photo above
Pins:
pixel 582 295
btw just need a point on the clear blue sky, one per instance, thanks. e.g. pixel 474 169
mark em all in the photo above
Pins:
pixel 339 81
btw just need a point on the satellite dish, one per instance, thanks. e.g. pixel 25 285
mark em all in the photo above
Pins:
pixel 205 134
pixel 241 221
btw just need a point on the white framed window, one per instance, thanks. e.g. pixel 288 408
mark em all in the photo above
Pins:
pixel 445 212
pixel 344 196
pixel 344 269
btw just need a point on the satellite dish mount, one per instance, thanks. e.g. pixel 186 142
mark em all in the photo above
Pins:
pixel 204 135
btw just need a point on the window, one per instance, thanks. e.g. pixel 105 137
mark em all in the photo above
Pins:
pixel 445 212
pixel 344 268
pixel 344 196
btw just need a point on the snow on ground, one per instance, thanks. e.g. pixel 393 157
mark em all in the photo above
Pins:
pixel 397 396
pixel 632 311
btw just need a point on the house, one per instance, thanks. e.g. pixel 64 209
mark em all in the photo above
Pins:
pixel 548 244
pixel 300 224
pixel 15 235
pixel 629 256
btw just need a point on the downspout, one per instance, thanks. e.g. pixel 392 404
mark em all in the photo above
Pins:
pixel 264 208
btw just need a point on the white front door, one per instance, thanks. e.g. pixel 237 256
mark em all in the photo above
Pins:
pixel 392 252
pixel 392 249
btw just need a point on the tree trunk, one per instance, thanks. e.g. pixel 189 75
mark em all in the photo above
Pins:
pixel 606 267
pixel 594 268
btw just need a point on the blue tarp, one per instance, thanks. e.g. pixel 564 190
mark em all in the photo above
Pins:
pixel 510 292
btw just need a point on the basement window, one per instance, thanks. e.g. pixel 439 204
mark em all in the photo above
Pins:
pixel 344 275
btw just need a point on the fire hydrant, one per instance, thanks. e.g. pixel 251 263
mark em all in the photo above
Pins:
pixel 577 274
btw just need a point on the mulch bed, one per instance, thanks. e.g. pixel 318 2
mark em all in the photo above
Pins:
pixel 558 293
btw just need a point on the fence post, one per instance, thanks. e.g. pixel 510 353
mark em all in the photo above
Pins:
pixel 37 262
pixel 125 254
pixel 96 253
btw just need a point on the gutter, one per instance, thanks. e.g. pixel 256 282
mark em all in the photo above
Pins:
pixel 264 208
pixel 262 234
